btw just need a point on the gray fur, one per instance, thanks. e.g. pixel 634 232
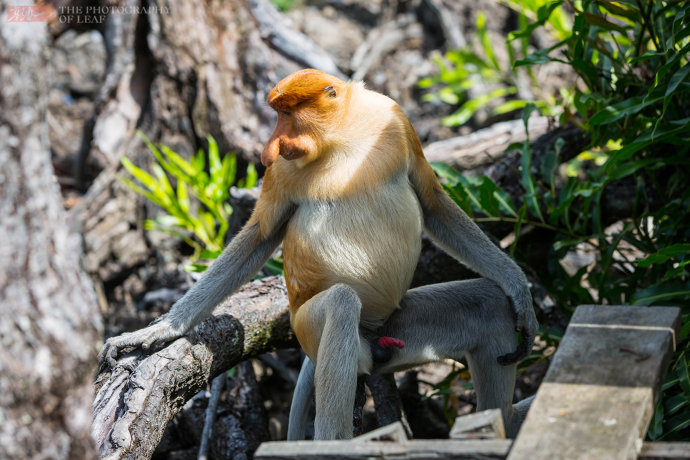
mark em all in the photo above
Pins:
pixel 334 314
pixel 239 261
pixel 458 235
pixel 471 318
pixel 301 401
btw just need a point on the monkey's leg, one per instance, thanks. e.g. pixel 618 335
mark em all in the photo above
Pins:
pixel 470 318
pixel 327 327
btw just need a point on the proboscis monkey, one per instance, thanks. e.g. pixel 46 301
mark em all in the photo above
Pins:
pixel 348 191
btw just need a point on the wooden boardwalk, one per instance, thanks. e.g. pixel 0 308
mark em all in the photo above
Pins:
pixel 596 402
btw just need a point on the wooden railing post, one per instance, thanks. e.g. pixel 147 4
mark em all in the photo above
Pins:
pixel 598 396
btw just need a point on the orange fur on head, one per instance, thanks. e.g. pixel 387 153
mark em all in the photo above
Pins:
pixel 301 100
pixel 299 87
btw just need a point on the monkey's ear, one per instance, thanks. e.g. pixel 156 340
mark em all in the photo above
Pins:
pixel 330 91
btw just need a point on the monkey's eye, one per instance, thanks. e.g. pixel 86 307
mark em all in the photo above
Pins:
pixel 330 91
pixel 285 112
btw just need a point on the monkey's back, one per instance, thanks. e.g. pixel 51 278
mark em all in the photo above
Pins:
pixel 369 241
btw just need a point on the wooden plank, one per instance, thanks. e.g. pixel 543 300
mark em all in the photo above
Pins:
pixel 665 451
pixel 487 424
pixel 416 449
pixel 597 398
pixel 393 432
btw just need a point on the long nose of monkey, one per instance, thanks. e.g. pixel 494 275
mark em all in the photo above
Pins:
pixel 271 151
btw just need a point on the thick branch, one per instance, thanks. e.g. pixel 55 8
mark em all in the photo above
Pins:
pixel 136 400
pixel 483 147
pixel 279 31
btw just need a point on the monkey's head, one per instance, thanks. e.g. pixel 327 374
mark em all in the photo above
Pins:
pixel 306 103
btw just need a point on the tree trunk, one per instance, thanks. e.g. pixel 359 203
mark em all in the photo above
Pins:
pixel 50 319
pixel 190 69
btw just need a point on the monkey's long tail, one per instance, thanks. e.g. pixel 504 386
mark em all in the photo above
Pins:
pixel 301 402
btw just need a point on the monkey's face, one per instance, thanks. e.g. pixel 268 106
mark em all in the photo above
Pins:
pixel 306 103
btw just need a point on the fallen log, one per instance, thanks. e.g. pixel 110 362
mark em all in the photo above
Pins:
pixel 483 147
pixel 136 400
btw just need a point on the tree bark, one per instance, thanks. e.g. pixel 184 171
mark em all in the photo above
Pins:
pixel 136 400
pixel 51 323
pixel 190 69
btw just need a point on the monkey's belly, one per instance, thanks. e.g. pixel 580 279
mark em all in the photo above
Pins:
pixel 371 243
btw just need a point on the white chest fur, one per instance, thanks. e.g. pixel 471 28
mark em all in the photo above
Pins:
pixel 370 241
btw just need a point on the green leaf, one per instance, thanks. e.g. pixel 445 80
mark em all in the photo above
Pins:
pixel 184 169
pixel 164 185
pixel 227 174
pixel 565 200
pixel 463 115
pixel 601 21
pixel 619 9
pixel 448 95
pixel 487 46
pixel 607 257
pixel 504 200
pixel 274 267
pixel 252 177
pixel 510 106
pixel 214 163
pixel 656 426
pixel 675 403
pixel 647 56
pixel 542 16
pixel 683 373
pixel 446 171
pixel 210 254
pixel 664 254
pixel 529 108
pixel 676 424
pixel 541 56
pixel 569 242
pixel 627 107
pixel 195 268
pixel 199 162
pixel 676 80
pixel 469 193
pixel 137 189
pixel 626 169
pixel 526 163
pixel 661 293
pixel 141 175
pixel 169 221
pixel 548 164
pixel 183 195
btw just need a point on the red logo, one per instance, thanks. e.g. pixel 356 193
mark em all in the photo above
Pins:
pixel 30 13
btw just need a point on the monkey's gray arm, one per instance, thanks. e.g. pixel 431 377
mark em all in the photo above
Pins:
pixel 238 262
pixel 458 235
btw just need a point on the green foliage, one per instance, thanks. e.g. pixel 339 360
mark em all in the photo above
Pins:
pixel 460 70
pixel 196 206
pixel 634 101
pixel 284 5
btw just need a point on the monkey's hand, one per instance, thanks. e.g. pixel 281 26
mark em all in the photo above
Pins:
pixel 159 332
pixel 525 323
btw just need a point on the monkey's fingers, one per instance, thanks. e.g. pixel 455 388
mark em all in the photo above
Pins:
pixel 111 349
pixel 107 358
pixel 112 357
pixel 109 353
